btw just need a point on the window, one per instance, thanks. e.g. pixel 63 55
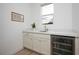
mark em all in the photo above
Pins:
pixel 47 11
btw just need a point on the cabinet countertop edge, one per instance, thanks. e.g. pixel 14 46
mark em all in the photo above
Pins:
pixel 55 33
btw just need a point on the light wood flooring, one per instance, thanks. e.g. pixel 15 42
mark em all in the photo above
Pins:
pixel 26 52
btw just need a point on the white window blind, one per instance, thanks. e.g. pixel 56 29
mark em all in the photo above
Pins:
pixel 47 12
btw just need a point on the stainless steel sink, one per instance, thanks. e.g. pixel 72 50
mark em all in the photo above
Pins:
pixel 43 31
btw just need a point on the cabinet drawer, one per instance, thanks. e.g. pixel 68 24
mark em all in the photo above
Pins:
pixel 35 35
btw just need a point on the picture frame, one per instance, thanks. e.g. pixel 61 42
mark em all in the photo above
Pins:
pixel 17 17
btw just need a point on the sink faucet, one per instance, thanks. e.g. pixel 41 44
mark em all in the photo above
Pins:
pixel 46 29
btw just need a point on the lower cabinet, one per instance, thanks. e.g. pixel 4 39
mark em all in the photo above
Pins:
pixel 27 41
pixel 37 42
pixel 36 45
pixel 51 44
pixel 45 46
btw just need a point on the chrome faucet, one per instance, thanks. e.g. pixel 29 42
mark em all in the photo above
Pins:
pixel 46 29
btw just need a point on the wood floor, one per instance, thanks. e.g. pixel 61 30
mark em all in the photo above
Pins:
pixel 26 52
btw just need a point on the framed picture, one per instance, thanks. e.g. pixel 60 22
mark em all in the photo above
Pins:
pixel 17 17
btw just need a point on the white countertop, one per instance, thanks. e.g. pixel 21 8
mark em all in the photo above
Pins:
pixel 55 32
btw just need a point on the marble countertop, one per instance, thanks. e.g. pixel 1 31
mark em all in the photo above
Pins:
pixel 56 32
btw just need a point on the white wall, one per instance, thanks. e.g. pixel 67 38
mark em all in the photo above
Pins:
pixel 75 16
pixel 62 16
pixel 36 14
pixel 12 31
pixel 1 28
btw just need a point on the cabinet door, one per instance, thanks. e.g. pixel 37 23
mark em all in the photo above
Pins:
pixel 27 41
pixel 45 46
pixel 36 45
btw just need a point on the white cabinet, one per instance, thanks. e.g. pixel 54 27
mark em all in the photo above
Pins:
pixel 37 42
pixel 36 45
pixel 27 41
pixel 45 46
